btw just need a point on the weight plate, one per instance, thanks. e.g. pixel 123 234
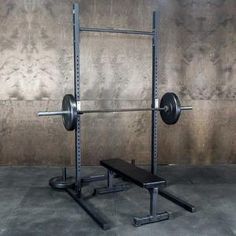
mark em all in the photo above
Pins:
pixel 60 184
pixel 171 115
pixel 69 104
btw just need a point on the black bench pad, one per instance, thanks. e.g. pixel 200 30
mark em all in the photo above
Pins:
pixel 139 176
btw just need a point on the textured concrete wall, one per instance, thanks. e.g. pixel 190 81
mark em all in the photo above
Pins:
pixel 197 61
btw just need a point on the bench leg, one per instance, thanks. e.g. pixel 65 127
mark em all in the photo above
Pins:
pixel 154 215
pixel 109 179
pixel 93 178
pixel 110 187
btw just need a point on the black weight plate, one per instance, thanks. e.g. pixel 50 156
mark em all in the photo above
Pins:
pixel 171 115
pixel 60 184
pixel 69 104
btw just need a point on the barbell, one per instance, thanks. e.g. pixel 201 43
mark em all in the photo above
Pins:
pixel 170 110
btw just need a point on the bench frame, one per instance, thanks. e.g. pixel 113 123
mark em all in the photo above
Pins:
pixel 153 186
pixel 154 215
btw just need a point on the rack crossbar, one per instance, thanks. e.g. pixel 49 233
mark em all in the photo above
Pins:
pixel 118 31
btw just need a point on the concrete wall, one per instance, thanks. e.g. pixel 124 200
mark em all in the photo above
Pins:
pixel 197 61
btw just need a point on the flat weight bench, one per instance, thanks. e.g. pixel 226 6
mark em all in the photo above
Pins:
pixel 140 177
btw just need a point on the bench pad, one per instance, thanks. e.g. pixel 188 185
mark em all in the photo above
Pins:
pixel 139 176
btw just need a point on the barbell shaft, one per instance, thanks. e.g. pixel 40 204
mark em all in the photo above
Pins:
pixel 119 110
pixel 132 109
pixel 58 113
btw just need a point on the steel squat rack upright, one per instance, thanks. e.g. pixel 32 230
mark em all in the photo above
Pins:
pixel 169 109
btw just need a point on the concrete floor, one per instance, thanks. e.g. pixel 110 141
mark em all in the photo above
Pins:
pixel 29 207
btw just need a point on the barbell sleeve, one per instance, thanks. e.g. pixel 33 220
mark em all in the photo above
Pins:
pixel 185 108
pixel 53 113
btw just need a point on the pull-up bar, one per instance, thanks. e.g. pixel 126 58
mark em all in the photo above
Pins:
pixel 118 31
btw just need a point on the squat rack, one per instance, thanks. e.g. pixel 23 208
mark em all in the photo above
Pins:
pixel 155 77
pixel 76 192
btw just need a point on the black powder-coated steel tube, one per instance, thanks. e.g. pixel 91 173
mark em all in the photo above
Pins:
pixel 116 31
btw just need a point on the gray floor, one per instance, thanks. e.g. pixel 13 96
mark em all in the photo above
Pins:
pixel 29 207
